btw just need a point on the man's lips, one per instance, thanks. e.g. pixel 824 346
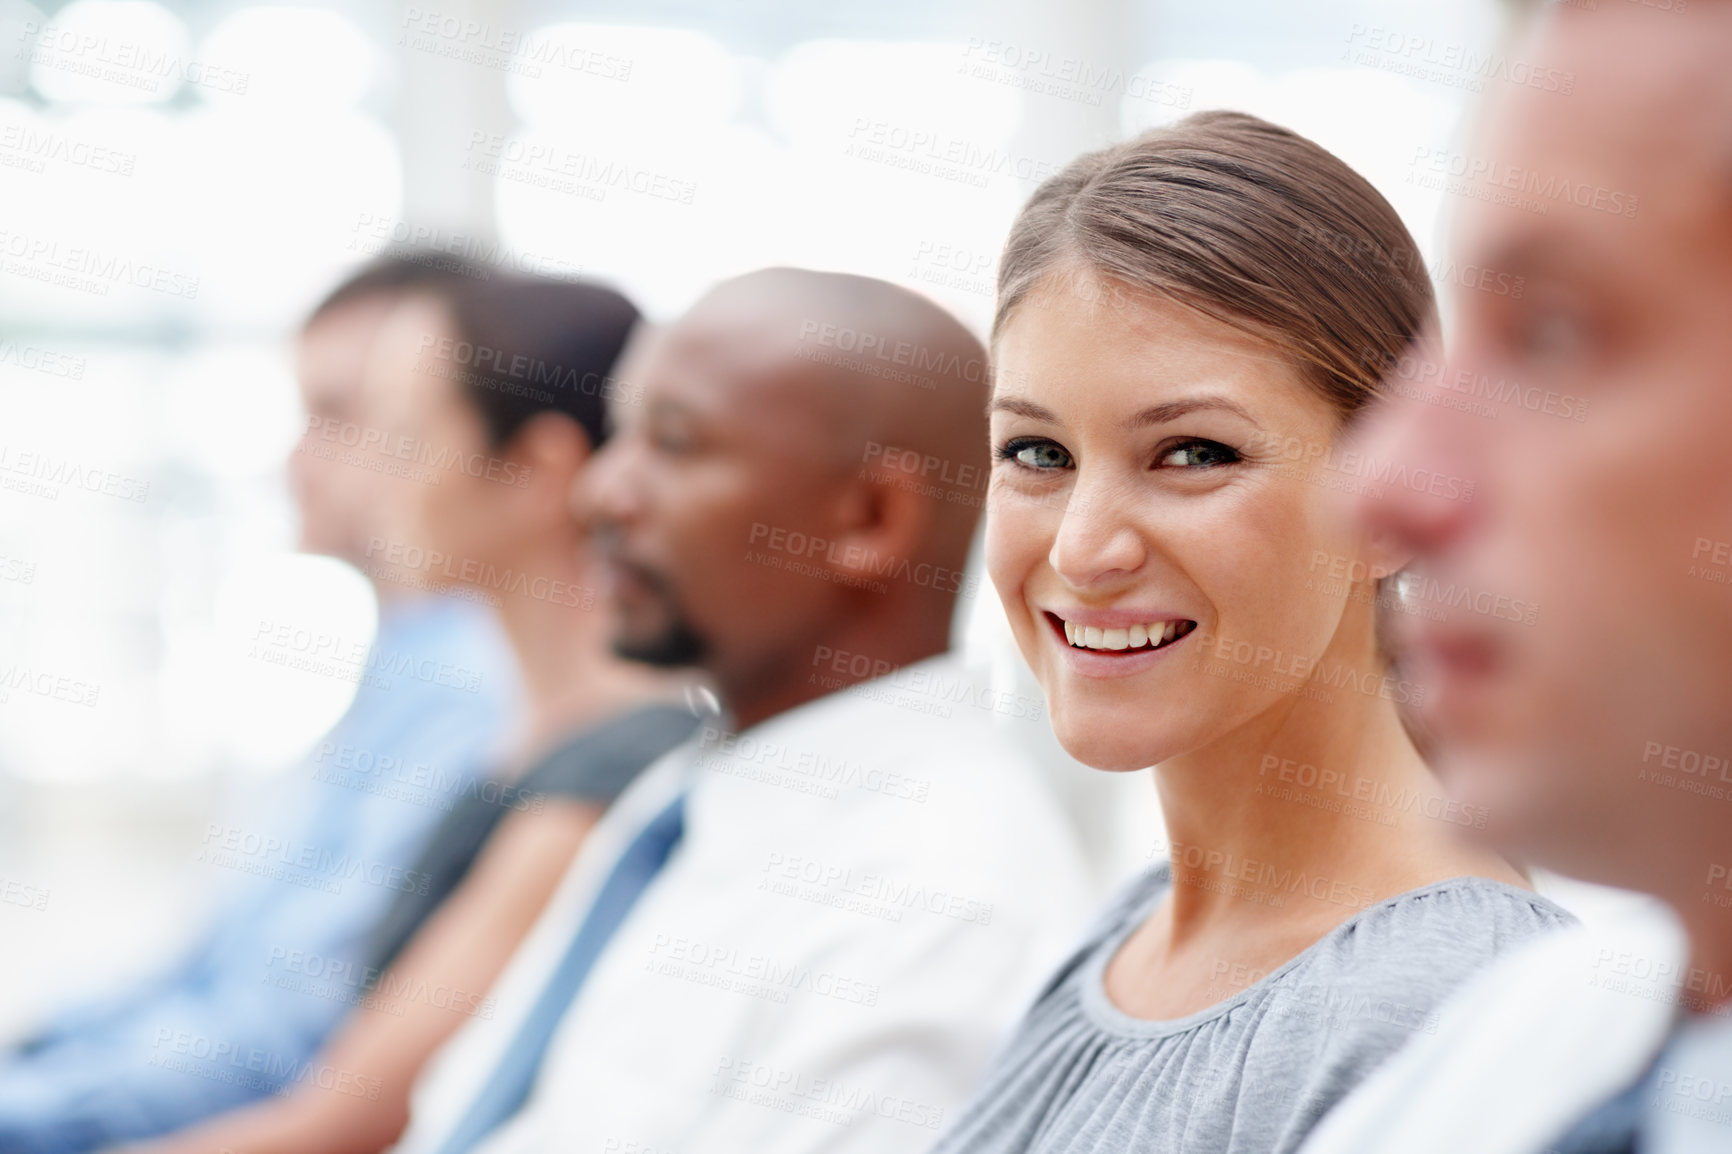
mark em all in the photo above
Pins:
pixel 1455 652
pixel 628 579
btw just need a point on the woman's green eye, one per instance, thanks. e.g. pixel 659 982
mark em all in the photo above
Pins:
pixel 1036 454
pixel 1198 455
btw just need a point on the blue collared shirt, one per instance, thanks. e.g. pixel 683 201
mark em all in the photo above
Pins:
pixel 244 1012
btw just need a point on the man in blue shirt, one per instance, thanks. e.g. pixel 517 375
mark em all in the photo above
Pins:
pixel 308 874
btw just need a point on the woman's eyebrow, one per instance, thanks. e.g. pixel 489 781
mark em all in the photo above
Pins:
pixel 1173 410
pixel 1153 415
pixel 1022 407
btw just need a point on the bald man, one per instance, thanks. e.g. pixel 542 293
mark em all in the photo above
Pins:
pixel 872 879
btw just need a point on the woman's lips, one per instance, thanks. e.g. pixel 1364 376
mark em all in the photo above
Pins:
pixel 1096 651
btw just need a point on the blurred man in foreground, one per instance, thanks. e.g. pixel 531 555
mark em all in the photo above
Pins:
pixel 871 877
pixel 1597 739
pixel 315 864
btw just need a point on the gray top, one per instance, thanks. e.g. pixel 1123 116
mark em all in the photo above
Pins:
pixel 1251 1074
pixel 594 766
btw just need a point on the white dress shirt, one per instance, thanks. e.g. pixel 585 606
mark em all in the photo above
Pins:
pixel 1544 1037
pixel 870 889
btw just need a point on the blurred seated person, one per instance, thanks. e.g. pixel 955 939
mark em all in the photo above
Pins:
pixel 119 1068
pixel 509 378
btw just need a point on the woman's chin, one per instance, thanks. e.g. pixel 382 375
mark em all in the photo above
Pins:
pixel 1112 753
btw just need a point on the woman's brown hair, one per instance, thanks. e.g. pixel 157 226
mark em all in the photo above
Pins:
pixel 1247 222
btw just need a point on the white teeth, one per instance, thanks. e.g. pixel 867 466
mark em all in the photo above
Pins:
pixel 1134 637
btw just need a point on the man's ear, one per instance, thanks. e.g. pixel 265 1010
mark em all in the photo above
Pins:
pixel 882 520
pixel 544 458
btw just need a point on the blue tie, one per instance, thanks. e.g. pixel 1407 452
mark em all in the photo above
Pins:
pixel 511 1079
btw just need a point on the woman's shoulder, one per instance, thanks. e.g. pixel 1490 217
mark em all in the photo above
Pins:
pixel 1422 943
pixel 1461 913
pixel 1378 980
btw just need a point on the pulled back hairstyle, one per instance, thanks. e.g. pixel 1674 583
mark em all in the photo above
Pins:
pixel 525 346
pixel 1248 223
pixel 391 277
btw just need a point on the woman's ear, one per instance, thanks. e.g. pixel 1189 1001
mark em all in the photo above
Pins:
pixel 1385 554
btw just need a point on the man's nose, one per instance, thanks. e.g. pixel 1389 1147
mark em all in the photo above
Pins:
pixel 1431 452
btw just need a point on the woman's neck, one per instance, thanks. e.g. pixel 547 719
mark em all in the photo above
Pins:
pixel 1314 809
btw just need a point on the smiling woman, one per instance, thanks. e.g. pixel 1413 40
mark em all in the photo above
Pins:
pixel 1186 324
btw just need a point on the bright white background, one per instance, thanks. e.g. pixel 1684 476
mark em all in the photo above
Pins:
pixel 209 167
